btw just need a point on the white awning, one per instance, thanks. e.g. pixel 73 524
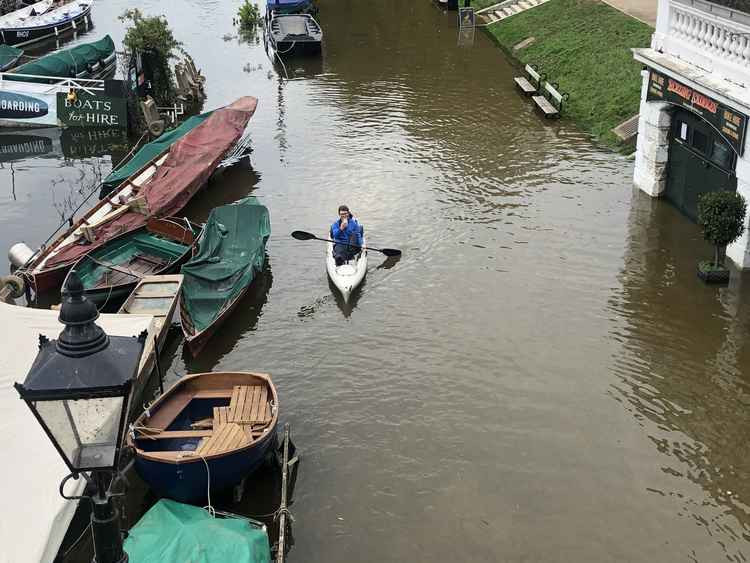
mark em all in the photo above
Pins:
pixel 36 517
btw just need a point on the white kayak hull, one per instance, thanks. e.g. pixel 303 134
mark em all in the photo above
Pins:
pixel 348 276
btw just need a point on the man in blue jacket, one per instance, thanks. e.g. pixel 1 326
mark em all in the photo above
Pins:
pixel 345 231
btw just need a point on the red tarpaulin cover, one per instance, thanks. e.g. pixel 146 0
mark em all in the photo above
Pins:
pixel 191 161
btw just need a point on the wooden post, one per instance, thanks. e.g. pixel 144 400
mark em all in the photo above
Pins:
pixel 282 507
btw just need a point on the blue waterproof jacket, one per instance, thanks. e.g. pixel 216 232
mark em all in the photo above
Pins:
pixel 345 235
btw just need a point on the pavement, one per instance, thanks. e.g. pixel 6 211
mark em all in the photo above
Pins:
pixel 642 10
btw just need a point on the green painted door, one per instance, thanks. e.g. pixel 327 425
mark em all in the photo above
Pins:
pixel 700 161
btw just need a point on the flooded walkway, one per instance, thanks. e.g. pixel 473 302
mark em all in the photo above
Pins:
pixel 541 377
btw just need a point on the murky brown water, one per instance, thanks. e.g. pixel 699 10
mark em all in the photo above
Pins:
pixel 541 377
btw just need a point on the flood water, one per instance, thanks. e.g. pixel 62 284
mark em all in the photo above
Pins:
pixel 541 377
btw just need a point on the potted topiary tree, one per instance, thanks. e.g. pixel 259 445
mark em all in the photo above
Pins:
pixel 721 215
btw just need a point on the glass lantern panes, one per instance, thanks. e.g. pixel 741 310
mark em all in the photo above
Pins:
pixel 86 429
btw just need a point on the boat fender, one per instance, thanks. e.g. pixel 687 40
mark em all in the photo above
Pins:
pixel 156 128
pixel 15 284
pixel 20 254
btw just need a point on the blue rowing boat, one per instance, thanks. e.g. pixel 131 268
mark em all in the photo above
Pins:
pixel 209 427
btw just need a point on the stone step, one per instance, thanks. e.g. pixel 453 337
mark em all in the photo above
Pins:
pixel 524 5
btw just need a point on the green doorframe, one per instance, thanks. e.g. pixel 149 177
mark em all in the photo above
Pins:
pixel 700 160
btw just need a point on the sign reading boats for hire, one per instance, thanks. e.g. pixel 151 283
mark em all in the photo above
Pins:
pixel 730 123
pixel 91 110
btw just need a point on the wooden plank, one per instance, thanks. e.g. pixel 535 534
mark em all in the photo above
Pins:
pixel 170 434
pixel 221 416
pixel 244 397
pixel 252 412
pixel 212 394
pixel 259 406
pixel 532 73
pixel 524 85
pixel 235 398
pixel 203 423
pixel 269 414
pixel 553 92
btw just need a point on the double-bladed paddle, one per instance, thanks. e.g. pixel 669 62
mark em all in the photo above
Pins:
pixel 302 235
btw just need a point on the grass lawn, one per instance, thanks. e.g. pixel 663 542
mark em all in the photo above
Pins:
pixel 584 46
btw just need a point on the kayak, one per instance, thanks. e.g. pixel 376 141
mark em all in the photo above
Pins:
pixel 349 275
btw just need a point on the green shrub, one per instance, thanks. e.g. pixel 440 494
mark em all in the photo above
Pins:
pixel 151 35
pixel 721 215
pixel 249 15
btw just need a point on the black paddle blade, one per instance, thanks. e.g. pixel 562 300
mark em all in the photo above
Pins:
pixel 391 251
pixel 302 235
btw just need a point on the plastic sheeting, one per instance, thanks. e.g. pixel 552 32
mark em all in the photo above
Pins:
pixel 36 516
pixel 66 63
pixel 150 151
pixel 171 531
pixel 232 251
pixel 190 163
pixel 8 56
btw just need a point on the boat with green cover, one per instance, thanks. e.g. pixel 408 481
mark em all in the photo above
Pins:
pixel 149 152
pixel 9 57
pixel 231 252
pixel 88 60
pixel 172 531
pixel 110 273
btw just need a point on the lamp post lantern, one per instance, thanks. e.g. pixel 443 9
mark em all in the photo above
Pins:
pixel 78 388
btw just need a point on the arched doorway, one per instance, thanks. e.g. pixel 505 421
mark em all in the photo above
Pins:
pixel 700 161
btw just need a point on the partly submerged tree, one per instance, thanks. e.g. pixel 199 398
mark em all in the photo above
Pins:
pixel 722 216
pixel 249 15
pixel 152 37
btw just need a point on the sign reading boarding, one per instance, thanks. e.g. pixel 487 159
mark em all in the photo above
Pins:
pixel 91 110
pixel 727 121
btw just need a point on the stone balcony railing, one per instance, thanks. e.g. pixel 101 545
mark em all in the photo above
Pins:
pixel 711 36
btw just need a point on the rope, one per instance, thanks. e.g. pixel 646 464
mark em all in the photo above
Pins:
pixel 208 507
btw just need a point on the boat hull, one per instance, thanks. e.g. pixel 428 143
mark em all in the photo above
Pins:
pixel 18 37
pixel 348 277
pixel 292 48
pixel 187 482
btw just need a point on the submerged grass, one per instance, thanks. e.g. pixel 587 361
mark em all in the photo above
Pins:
pixel 584 46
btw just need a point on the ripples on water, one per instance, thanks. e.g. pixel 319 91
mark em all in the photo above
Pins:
pixel 541 377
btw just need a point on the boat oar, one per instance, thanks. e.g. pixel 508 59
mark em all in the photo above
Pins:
pixel 302 235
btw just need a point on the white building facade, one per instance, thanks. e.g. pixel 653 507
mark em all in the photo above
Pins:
pixel 695 103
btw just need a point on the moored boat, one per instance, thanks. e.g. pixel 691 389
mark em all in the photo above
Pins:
pixel 9 57
pixel 295 34
pixel 42 20
pixel 291 7
pixel 161 188
pixel 348 275
pixel 209 429
pixel 110 273
pixel 231 252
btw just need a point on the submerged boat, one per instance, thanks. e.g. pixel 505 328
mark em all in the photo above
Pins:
pixel 350 274
pixel 172 531
pixel 295 34
pixel 161 188
pixel 42 20
pixel 156 296
pixel 110 273
pixel 209 429
pixel 231 252
pixel 88 60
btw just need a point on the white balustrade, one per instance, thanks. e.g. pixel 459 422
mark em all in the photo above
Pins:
pixel 714 38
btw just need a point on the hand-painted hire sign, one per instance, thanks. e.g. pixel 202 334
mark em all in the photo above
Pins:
pixel 87 110
pixel 730 123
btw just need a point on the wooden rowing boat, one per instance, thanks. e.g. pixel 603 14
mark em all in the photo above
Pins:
pixel 110 273
pixel 208 428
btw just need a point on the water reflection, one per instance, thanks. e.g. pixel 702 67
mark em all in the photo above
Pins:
pixel 682 372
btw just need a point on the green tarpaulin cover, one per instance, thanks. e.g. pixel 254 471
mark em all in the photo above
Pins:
pixel 68 62
pixel 151 150
pixel 9 55
pixel 232 251
pixel 171 532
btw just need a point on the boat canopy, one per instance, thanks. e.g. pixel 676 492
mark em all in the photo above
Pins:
pixel 150 151
pixel 232 251
pixel 188 166
pixel 67 63
pixel 8 56
pixel 289 6
pixel 171 531
pixel 32 468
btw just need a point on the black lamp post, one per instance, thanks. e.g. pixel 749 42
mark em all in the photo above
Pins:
pixel 79 390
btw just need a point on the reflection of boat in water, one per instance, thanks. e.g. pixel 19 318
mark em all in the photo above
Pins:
pixel 55 142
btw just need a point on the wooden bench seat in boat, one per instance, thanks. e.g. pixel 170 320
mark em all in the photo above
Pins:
pixel 170 434
pixel 229 436
pixel 249 405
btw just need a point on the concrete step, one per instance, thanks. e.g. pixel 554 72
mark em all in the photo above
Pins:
pixel 524 5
